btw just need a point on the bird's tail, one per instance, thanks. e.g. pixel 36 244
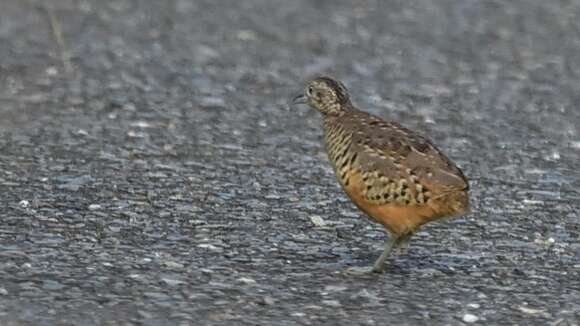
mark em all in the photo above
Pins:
pixel 452 203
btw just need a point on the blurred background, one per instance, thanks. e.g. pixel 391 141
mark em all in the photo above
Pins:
pixel 152 172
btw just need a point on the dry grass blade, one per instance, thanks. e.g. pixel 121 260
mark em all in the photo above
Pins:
pixel 59 38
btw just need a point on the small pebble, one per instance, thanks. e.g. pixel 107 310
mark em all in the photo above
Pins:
pixel 172 282
pixel 268 300
pixel 317 221
pixel 52 285
pixel 172 264
pixel 531 311
pixel 334 288
pixel 207 246
pixel 51 71
pixel 331 303
pixel 469 318
pixel 140 124
pixel 247 280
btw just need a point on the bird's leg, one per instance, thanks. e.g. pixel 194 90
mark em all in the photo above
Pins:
pixel 403 245
pixel 379 265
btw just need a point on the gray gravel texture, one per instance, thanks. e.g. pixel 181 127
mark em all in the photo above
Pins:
pixel 161 178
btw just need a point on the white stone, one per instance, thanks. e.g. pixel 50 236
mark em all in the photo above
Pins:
pixel 331 303
pixel 469 318
pixel 317 220
pixel 207 246
pixel 247 280
pixel 531 311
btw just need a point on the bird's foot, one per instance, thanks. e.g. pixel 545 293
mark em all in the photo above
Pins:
pixel 403 248
pixel 366 270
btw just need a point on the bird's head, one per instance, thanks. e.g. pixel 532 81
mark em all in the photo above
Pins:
pixel 326 95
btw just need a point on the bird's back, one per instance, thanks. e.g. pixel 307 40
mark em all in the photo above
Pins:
pixel 396 176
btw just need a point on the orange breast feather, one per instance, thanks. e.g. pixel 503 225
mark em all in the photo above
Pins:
pixel 397 218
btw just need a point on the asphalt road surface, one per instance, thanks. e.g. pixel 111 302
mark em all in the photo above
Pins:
pixel 151 172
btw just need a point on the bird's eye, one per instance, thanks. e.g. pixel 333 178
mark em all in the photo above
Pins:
pixel 309 91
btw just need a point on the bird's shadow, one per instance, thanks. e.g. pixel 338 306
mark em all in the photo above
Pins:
pixel 409 265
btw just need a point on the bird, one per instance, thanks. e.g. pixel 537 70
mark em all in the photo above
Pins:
pixel 399 178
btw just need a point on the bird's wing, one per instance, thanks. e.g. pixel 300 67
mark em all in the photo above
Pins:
pixel 398 165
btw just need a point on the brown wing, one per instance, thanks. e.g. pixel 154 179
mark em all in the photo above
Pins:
pixel 397 165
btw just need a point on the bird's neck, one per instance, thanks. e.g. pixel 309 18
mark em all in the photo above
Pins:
pixel 337 109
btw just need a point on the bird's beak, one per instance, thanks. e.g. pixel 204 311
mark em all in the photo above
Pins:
pixel 299 99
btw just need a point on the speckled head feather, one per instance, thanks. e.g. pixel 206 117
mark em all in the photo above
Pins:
pixel 337 87
pixel 327 96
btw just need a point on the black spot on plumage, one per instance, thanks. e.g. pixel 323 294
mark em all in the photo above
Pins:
pixel 346 149
pixel 421 146
pixel 353 158
pixel 395 144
